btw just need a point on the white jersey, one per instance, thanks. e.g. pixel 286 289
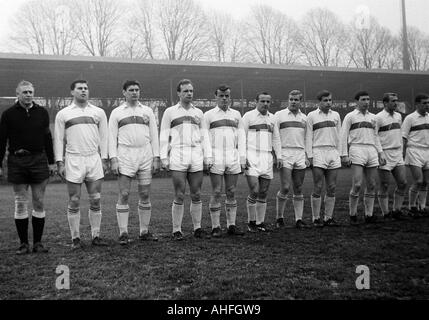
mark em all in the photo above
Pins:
pixel 261 131
pixel 359 129
pixel 182 129
pixel 133 127
pixel 323 130
pixel 388 127
pixel 226 132
pixel 292 128
pixel 83 130
pixel 416 130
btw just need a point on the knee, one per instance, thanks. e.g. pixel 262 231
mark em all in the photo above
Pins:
pixel 179 197
pixel 144 196
pixel 262 195
pixel 317 190
pixel 230 193
pixel 94 200
pixel 384 186
pixel 38 205
pixel 74 201
pixel 285 189
pixel 297 190
pixel 124 195
pixel 217 196
pixel 196 196
pixel 357 186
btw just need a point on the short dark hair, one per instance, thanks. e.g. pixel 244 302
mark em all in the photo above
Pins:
pixel 223 88
pixel 263 93
pixel 421 96
pixel 296 92
pixel 361 94
pixel 130 83
pixel 73 84
pixel 183 82
pixel 323 93
pixel 387 95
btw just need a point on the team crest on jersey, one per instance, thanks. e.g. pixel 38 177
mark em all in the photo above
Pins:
pixel 197 120
pixel 236 121
pixel 373 123
pixel 145 119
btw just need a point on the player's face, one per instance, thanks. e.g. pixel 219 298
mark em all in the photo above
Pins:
pixel 223 99
pixel 363 103
pixel 392 104
pixel 132 93
pixel 326 103
pixel 80 92
pixel 423 106
pixel 263 103
pixel 294 103
pixel 25 95
pixel 186 93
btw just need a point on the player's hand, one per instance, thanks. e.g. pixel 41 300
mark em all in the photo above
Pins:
pixel 165 164
pixel 382 159
pixel 52 169
pixel 206 167
pixel 105 163
pixel 345 160
pixel 114 166
pixel 279 163
pixel 61 170
pixel 308 162
pixel 155 165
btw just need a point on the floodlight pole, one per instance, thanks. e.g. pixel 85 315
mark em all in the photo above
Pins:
pixel 405 55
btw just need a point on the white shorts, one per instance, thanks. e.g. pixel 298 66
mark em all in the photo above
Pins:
pixel 136 161
pixel 226 162
pixel 293 158
pixel 364 155
pixel 83 168
pixel 393 159
pixel 326 158
pixel 188 159
pixel 261 164
pixel 418 157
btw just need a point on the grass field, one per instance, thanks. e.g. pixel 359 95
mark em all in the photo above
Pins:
pixel 287 264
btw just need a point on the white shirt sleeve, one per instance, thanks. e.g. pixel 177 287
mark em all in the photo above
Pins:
pixel 153 131
pixel 164 135
pixel 344 136
pixel 104 135
pixel 59 137
pixel 113 135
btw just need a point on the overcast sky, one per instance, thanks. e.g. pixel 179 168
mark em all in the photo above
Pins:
pixel 387 11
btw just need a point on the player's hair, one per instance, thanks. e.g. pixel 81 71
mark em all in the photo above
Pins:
pixel 296 92
pixel 183 82
pixel 130 83
pixel 387 95
pixel 73 84
pixel 421 96
pixel 323 93
pixel 223 88
pixel 23 83
pixel 361 94
pixel 263 93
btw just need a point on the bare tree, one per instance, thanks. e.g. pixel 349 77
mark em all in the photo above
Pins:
pixel 369 45
pixel 96 23
pixel 418 48
pixel 44 28
pixel 323 38
pixel 183 30
pixel 272 36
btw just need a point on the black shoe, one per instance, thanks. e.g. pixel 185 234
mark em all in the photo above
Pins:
pixel 177 236
pixel 234 231
pixel 318 223
pixel 124 239
pixel 39 248
pixel 280 223
pixel 76 244
pixel 388 216
pixel 262 227
pixel 216 232
pixel 201 234
pixel 354 220
pixel 148 236
pixel 401 215
pixel 251 227
pixel 370 219
pixel 99 242
pixel 415 213
pixel 300 224
pixel 331 223
pixel 24 248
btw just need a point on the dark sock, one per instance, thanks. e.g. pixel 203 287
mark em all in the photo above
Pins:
pixel 22 228
pixel 38 224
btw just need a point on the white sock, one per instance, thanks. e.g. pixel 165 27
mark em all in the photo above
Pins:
pixel 177 216
pixel 196 213
pixel 231 212
pixel 329 207
pixel 316 202
pixel 281 200
pixel 353 203
pixel 145 211
pixel 383 201
pixel 215 209
pixel 261 208
pixel 94 217
pixel 298 206
pixel 251 209
pixel 122 214
pixel 422 198
pixel 412 197
pixel 368 201
pixel 73 217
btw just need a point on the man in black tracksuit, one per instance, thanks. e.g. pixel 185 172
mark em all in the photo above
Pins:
pixel 25 127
